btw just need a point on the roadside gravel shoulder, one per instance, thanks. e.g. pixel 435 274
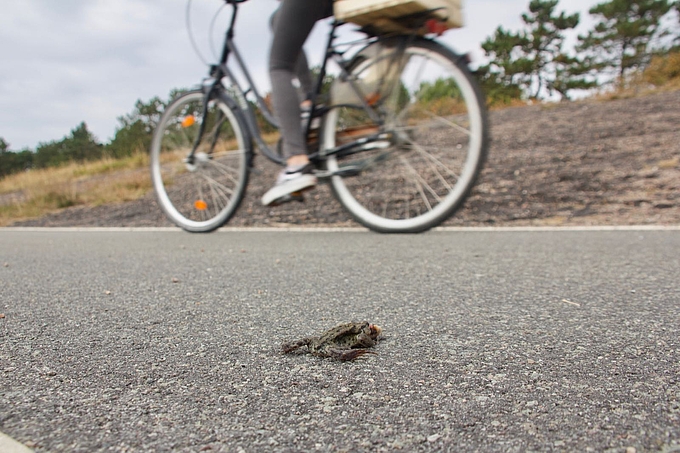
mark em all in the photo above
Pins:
pixel 581 163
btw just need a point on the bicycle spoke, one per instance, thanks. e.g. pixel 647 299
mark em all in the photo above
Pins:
pixel 416 78
pixel 236 154
pixel 225 170
pixel 433 167
pixel 213 183
pixel 421 184
pixel 449 123
pixel 216 199
pixel 432 158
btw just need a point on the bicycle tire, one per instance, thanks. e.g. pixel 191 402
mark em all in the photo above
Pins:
pixel 410 187
pixel 202 194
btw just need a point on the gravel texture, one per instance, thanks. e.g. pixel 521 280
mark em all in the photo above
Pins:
pixel 582 163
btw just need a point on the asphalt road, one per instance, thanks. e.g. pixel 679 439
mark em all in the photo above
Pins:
pixel 494 341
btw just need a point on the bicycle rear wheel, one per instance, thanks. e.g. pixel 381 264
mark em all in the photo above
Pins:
pixel 434 114
pixel 199 192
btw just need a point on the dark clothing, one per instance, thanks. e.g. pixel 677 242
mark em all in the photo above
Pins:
pixel 292 24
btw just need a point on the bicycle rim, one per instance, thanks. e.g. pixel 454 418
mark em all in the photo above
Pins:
pixel 199 193
pixel 436 114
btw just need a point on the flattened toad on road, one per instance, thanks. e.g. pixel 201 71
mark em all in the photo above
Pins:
pixel 344 342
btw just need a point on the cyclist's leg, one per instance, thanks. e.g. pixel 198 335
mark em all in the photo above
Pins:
pixel 304 75
pixel 295 20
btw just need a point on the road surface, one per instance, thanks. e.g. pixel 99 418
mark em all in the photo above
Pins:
pixel 493 341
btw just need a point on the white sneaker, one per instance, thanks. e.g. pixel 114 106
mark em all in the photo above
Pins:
pixel 289 184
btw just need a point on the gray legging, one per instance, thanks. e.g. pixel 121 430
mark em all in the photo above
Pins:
pixel 292 24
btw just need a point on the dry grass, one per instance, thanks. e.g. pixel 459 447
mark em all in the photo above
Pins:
pixel 663 71
pixel 662 74
pixel 37 192
pixel 511 103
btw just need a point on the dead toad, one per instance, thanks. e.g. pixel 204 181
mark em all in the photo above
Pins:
pixel 344 342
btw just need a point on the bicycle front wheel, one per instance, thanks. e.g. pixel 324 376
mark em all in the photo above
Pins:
pixel 434 113
pixel 199 178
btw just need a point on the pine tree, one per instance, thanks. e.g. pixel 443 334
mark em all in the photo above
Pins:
pixel 534 58
pixel 546 41
pixel 676 46
pixel 136 128
pixel 622 40
pixel 82 145
pixel 79 146
pixel 14 161
pixel 497 90
pixel 505 69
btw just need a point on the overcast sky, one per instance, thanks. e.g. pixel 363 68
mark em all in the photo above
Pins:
pixel 67 61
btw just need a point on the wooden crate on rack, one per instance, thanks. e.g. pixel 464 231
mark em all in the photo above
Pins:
pixel 397 15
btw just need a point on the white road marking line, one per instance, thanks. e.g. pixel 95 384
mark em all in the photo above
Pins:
pixel 302 229
pixel 9 445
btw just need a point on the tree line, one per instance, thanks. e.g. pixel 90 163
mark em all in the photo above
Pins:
pixel 530 63
pixel 533 63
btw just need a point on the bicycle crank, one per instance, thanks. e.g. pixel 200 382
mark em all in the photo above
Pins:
pixel 355 168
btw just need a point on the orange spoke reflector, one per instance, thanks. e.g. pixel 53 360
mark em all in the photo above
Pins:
pixel 188 121
pixel 200 205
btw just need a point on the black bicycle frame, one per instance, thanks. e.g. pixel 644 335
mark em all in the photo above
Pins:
pixel 237 96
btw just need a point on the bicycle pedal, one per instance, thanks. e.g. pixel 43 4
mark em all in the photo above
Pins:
pixel 295 196
pixel 350 170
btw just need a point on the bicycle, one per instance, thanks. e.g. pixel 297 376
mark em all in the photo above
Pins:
pixel 402 135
